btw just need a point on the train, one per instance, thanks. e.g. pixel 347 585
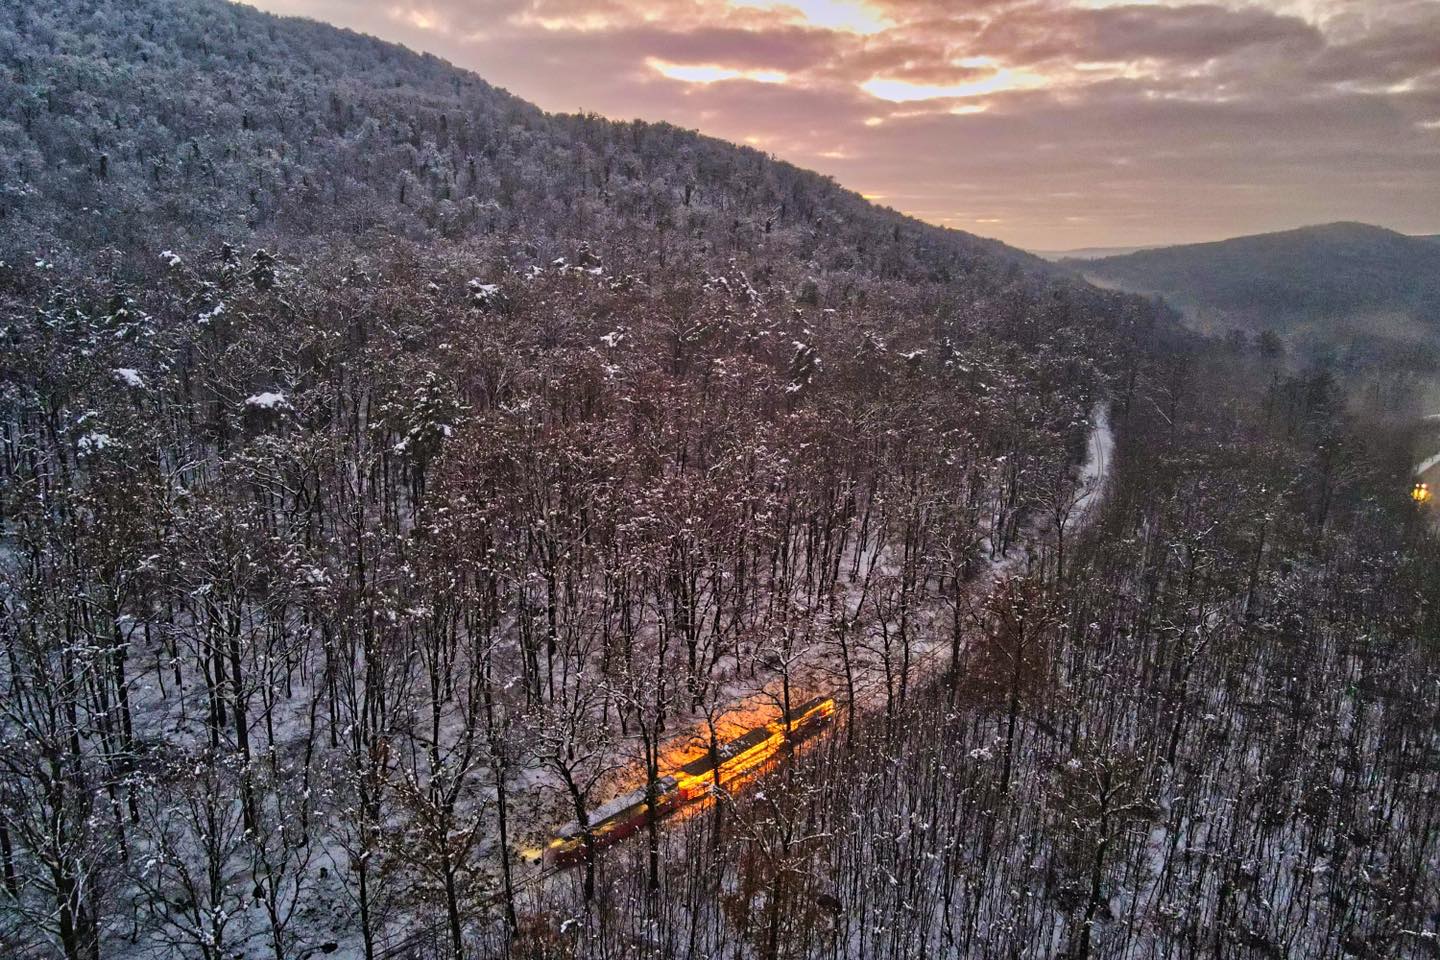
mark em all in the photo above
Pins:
pixel 626 814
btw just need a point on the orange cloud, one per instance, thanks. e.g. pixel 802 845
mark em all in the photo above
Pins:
pixel 998 81
pixel 710 73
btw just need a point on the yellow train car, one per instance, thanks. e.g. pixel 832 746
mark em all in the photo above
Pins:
pixel 626 815
pixel 749 751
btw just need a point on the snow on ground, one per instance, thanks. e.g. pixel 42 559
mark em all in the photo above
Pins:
pixel 754 700
pixel 267 401
pixel 130 377
pixel 538 804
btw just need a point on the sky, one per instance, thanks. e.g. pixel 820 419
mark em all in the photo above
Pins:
pixel 1049 124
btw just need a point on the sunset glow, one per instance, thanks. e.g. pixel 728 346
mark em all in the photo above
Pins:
pixel 853 16
pixel 1078 122
pixel 707 73
pixel 901 91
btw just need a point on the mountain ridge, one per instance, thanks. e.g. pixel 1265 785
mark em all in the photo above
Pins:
pixel 241 122
pixel 1336 271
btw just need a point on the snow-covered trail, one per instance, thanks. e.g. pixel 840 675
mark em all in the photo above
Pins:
pixel 818 673
pixel 1095 472
pixel 1093 478
pixel 931 650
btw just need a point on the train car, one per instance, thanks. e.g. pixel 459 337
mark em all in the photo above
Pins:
pixel 808 717
pixel 627 814
pixel 612 822
pixel 743 753
pixel 753 748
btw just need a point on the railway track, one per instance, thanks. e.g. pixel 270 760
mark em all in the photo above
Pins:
pixel 922 666
pixel 865 694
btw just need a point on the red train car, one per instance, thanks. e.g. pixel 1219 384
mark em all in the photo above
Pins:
pixel 611 823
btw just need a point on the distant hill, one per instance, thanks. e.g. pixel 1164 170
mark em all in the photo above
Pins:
pixel 1339 272
pixel 1087 253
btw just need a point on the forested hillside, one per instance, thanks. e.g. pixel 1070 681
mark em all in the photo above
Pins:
pixel 1336 272
pixel 1211 734
pixel 154 124
pixel 1362 299
pixel 393 472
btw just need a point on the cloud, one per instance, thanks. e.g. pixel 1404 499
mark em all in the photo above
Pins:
pixel 852 16
pixel 982 83
pixel 1177 35
pixel 1050 123
pixel 709 73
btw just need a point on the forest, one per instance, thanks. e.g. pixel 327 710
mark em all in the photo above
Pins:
pixel 392 473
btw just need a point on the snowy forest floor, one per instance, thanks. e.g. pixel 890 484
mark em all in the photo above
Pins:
pixel 818 671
